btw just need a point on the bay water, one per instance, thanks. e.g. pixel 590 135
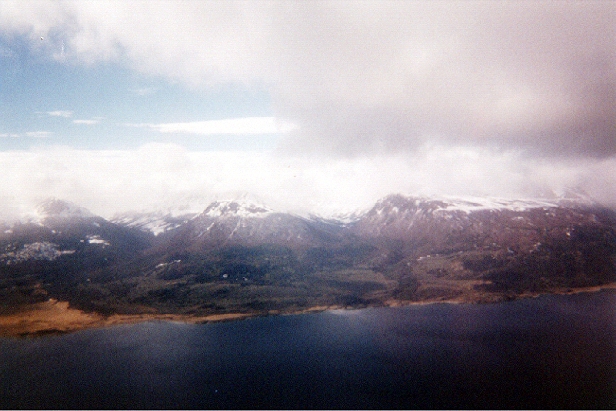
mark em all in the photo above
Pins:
pixel 554 351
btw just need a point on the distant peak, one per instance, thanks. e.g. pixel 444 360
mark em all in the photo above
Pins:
pixel 54 207
pixel 396 201
pixel 400 202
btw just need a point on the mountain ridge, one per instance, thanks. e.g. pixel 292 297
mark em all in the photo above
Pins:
pixel 186 208
pixel 238 257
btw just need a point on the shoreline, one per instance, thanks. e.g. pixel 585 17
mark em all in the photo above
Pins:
pixel 54 317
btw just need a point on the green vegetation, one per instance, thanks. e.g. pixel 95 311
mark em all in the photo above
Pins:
pixel 131 276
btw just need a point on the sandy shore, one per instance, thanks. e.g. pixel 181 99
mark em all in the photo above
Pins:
pixel 56 317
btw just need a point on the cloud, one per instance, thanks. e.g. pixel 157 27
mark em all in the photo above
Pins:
pixel 366 77
pixel 449 96
pixel 111 181
pixel 514 75
pixel 236 126
pixel 33 134
pixel 86 121
pixel 38 134
pixel 60 113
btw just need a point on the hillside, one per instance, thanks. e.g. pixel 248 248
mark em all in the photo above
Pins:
pixel 244 258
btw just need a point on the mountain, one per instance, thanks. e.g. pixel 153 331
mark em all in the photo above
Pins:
pixel 155 222
pixel 241 256
pixel 66 223
pixel 230 222
pixel 494 244
pixel 442 223
pixel 54 211
pixel 172 213
pixel 57 246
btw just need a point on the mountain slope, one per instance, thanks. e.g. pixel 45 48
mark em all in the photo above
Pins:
pixel 57 248
pixel 504 246
pixel 239 256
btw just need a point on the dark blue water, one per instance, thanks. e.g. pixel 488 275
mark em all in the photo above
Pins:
pixel 549 352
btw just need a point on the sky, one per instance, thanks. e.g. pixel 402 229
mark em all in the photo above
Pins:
pixel 311 106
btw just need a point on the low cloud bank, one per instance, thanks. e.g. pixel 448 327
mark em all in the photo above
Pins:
pixel 108 182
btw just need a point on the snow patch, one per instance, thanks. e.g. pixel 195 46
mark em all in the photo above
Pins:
pixel 471 204
pixel 96 239
pixel 236 209
pixel 154 222
pixel 33 251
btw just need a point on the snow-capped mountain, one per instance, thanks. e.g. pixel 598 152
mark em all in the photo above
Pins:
pixel 164 215
pixel 57 228
pixel 397 224
pixel 399 209
pixel 339 218
pixel 161 218
pixel 55 216
pixel 50 212
pixel 232 222
pixel 243 255
pixel 233 209
pixel 405 229
pixel 155 222
pixel 169 218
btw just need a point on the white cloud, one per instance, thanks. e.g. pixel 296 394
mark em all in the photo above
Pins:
pixel 86 121
pixel 32 134
pixel 38 134
pixel 110 181
pixel 364 77
pixel 60 113
pixel 236 126
pixel 394 93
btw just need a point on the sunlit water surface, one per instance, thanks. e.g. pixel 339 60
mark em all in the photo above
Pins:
pixel 547 352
